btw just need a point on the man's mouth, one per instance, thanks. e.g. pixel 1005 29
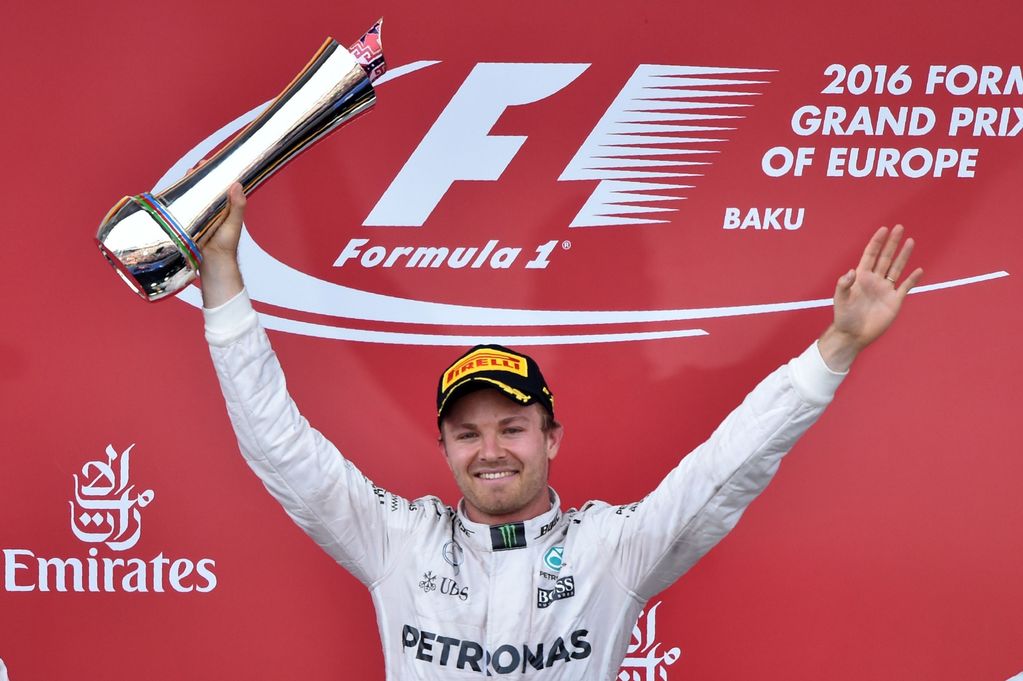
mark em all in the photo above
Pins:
pixel 494 475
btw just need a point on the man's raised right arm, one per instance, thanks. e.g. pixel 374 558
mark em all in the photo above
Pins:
pixel 328 497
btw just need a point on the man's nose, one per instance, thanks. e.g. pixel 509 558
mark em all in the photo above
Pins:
pixel 489 447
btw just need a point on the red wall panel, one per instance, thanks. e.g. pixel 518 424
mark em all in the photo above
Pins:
pixel 886 548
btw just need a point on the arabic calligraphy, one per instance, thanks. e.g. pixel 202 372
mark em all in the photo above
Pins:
pixel 106 508
pixel 643 662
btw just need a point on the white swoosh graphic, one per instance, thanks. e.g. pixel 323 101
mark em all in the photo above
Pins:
pixel 645 120
pixel 273 282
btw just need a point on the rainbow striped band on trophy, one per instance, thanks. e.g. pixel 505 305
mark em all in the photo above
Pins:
pixel 152 240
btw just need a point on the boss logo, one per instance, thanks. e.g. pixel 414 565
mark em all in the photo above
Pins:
pixel 563 588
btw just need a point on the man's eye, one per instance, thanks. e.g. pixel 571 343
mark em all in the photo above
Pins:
pixel 513 430
pixel 465 436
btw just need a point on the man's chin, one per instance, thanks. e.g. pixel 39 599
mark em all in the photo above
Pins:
pixel 499 508
pixel 496 505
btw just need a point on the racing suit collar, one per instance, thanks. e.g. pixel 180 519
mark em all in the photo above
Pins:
pixel 509 536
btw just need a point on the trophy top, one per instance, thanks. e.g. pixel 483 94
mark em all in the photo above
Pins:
pixel 369 51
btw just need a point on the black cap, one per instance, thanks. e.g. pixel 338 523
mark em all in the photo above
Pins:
pixel 494 366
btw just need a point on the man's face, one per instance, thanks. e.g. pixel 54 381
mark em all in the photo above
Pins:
pixel 500 456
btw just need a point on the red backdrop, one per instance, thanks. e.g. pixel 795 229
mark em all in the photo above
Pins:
pixel 888 547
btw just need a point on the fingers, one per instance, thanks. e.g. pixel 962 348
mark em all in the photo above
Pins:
pixel 884 261
pixel 910 281
pixel 223 234
pixel 895 271
pixel 236 197
pixel 844 284
pixel 883 257
pixel 235 208
pixel 872 250
pixel 843 289
pixel 200 164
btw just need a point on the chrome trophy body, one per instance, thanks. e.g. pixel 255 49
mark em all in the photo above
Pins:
pixel 152 240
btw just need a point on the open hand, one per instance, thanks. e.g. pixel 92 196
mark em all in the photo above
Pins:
pixel 868 299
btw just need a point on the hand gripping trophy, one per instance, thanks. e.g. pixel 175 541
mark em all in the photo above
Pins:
pixel 152 240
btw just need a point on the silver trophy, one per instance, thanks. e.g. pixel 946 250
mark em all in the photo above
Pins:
pixel 152 240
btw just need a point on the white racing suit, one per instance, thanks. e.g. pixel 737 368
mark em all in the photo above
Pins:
pixel 553 598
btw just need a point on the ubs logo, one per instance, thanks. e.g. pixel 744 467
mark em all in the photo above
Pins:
pixel 428 583
pixel 448 586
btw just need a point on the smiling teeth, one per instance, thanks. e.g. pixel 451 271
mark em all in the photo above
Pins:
pixel 495 476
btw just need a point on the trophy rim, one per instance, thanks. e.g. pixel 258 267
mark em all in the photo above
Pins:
pixel 122 271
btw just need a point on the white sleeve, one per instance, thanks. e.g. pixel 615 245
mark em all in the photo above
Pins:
pixel 359 524
pixel 230 321
pixel 702 499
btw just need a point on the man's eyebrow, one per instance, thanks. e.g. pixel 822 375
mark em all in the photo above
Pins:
pixel 468 425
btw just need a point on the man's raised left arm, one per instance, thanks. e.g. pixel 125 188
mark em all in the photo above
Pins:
pixel 702 499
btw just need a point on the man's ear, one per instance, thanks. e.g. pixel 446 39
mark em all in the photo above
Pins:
pixel 441 446
pixel 555 434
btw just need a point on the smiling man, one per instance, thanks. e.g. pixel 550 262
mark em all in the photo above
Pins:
pixel 498 433
pixel 507 583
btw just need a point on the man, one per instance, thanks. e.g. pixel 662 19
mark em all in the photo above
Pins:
pixel 508 583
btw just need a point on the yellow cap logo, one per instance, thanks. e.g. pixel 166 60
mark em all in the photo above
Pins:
pixel 484 359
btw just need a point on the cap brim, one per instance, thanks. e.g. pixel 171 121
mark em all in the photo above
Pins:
pixel 475 383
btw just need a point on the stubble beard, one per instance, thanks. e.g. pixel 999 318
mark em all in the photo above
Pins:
pixel 527 488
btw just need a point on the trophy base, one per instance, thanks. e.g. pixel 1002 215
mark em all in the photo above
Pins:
pixel 147 248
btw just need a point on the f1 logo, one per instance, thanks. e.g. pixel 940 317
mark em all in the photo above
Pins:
pixel 664 104
pixel 458 146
